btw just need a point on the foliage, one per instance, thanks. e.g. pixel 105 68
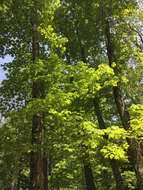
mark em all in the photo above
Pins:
pixel 73 69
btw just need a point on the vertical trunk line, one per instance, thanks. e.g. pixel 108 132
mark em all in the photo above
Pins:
pixel 90 185
pixel 114 165
pixel 38 174
pixel 12 183
pixel 88 174
pixel 135 152
pixel 45 173
pixel 117 175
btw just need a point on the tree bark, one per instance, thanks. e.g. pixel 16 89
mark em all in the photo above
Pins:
pixel 114 165
pixel 135 152
pixel 45 173
pixel 117 175
pixel 12 184
pixel 88 174
pixel 38 167
pixel 87 167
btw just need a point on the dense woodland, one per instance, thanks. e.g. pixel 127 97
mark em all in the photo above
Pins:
pixel 72 102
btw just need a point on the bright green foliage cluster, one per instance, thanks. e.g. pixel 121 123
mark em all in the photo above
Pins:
pixel 74 71
pixel 137 121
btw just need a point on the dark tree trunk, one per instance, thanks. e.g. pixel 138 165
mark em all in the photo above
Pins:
pixel 50 170
pixel 88 175
pixel 45 174
pixel 87 167
pixel 12 184
pixel 135 152
pixel 113 163
pixel 38 166
pixel 117 175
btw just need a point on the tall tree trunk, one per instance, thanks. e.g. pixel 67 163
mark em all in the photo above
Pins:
pixel 113 162
pixel 135 151
pixel 117 175
pixel 37 178
pixel 50 170
pixel 88 174
pixel 87 166
pixel 12 184
pixel 45 173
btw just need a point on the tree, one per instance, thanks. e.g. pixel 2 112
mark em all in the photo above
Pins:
pixel 68 111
